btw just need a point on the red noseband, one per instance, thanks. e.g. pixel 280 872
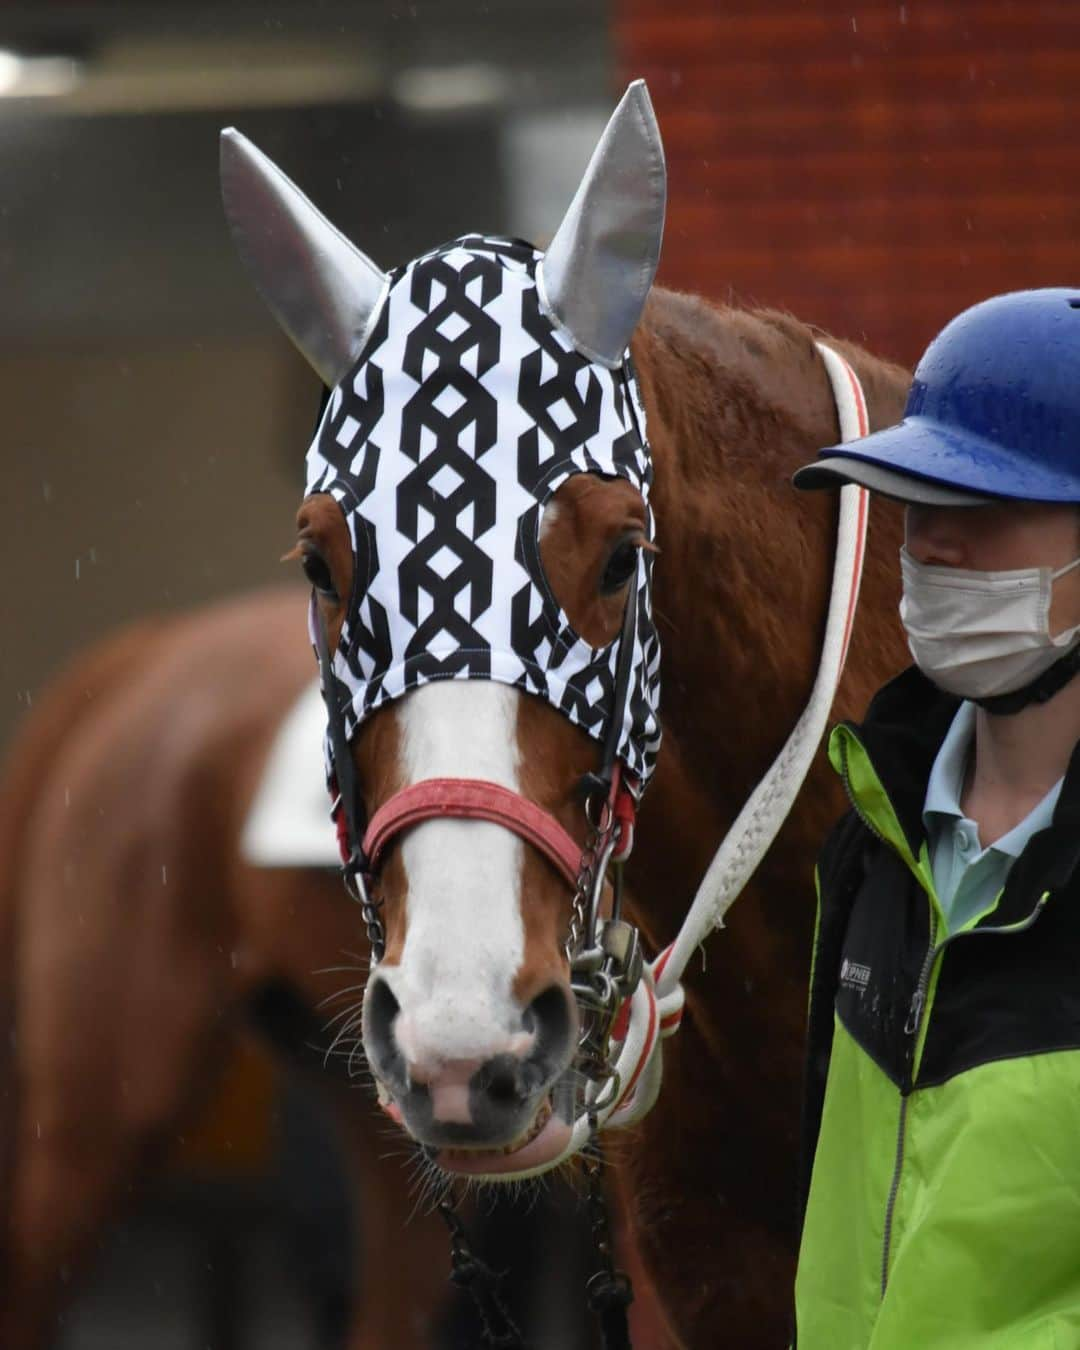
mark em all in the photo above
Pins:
pixel 471 799
pixel 478 799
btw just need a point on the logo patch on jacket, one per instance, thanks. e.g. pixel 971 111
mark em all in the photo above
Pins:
pixel 853 975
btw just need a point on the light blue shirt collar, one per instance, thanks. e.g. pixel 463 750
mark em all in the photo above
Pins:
pixel 942 805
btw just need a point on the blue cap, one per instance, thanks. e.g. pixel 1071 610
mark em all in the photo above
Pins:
pixel 993 412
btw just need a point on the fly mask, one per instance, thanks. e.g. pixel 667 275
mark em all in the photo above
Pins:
pixel 465 389
pixel 465 413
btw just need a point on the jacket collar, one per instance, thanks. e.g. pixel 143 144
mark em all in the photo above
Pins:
pixel 903 730
pixel 901 733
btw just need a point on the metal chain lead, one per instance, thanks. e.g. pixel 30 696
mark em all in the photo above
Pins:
pixel 357 887
pixel 583 888
pixel 609 1291
pixel 468 1272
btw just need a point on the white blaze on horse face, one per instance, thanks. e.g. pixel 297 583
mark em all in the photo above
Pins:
pixel 465 936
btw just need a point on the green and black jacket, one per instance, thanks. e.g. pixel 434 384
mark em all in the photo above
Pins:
pixel 941 1177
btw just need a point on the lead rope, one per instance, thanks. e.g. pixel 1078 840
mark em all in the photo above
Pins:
pixel 769 804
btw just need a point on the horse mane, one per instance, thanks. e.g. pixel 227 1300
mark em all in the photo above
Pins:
pixel 717 371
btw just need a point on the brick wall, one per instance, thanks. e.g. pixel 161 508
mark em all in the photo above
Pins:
pixel 873 167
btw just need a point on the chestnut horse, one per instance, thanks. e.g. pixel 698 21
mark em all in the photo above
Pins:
pixel 455 732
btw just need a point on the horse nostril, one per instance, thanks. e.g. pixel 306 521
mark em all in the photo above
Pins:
pixel 550 1015
pixel 502 1081
pixel 380 1011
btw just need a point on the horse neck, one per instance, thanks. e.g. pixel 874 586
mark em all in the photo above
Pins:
pixel 736 401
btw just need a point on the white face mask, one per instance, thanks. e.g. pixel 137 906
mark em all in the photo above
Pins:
pixel 980 634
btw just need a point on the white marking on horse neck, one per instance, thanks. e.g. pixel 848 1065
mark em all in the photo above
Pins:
pixel 465 936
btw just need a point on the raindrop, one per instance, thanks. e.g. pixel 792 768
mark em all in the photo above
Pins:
pixel 164 875
pixel 76 569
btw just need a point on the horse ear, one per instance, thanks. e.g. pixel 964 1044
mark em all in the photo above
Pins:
pixel 596 273
pixel 323 291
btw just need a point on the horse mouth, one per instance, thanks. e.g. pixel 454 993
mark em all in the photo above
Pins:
pixel 536 1149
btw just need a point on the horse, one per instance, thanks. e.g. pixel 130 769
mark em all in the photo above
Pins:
pixel 459 768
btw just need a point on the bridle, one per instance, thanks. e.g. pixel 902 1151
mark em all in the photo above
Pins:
pixel 627 1005
pixel 604 953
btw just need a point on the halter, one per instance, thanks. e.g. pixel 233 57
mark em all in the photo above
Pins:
pixel 605 956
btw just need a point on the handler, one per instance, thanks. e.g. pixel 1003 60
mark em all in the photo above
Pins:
pixel 941 1178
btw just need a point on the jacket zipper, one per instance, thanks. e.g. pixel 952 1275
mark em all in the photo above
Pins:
pixel 916 1009
pixel 912 1027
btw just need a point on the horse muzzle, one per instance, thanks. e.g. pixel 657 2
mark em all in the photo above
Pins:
pixel 480 1113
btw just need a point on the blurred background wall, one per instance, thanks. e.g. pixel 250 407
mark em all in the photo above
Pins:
pixel 874 166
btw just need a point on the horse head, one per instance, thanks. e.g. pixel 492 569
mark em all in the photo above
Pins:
pixel 477 532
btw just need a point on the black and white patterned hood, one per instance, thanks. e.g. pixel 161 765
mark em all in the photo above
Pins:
pixel 466 410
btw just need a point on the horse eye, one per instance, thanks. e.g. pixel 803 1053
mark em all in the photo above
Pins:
pixel 619 567
pixel 318 573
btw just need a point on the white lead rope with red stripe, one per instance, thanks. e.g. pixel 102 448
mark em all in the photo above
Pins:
pixel 655 1010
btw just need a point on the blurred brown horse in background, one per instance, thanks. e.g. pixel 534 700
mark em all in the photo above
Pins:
pixel 135 943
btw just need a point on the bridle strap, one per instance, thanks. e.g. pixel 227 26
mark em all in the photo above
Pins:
pixel 344 809
pixel 624 662
pixel 472 799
